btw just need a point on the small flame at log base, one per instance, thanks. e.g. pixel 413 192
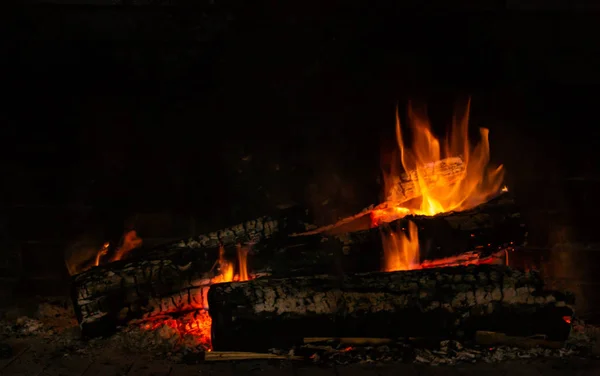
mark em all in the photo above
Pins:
pixel 197 324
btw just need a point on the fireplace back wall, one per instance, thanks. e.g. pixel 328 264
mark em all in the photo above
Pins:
pixel 189 121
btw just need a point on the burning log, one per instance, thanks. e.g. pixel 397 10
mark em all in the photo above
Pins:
pixel 113 294
pixel 450 302
pixel 456 238
pixel 442 173
pixel 173 277
pixel 402 188
pixel 109 295
pixel 255 231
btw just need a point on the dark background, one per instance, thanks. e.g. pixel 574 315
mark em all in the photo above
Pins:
pixel 180 120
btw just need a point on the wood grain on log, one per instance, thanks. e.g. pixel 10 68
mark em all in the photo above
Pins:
pixel 446 302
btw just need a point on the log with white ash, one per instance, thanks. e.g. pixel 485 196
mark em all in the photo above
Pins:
pixel 265 277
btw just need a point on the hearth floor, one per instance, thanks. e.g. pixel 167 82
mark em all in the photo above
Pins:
pixel 33 357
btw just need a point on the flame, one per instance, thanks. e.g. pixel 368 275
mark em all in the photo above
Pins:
pixel 79 259
pixel 227 268
pixel 479 184
pixel 195 327
pixel 102 252
pixel 401 250
pixel 433 192
pixel 130 242
pixel 242 254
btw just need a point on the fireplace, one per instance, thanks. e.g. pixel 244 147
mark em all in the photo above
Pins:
pixel 193 184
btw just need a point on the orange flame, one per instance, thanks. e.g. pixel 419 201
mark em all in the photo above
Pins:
pixel 199 326
pixel 242 253
pixel 130 242
pixel 480 182
pixel 102 252
pixel 227 268
pixel 477 185
pixel 401 251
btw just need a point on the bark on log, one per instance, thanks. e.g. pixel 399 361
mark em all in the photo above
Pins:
pixel 488 228
pixel 450 302
pixel 113 294
pixel 254 231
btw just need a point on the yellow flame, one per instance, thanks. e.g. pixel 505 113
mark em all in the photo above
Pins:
pixel 480 181
pixel 478 184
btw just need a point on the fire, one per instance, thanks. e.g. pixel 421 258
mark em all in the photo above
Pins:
pixel 102 252
pixel 242 254
pixel 227 268
pixel 401 250
pixel 192 329
pixel 439 176
pixel 130 242
pixel 88 257
pixel 196 326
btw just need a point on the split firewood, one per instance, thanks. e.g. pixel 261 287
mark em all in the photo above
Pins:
pixel 446 239
pixel 442 173
pixel 450 302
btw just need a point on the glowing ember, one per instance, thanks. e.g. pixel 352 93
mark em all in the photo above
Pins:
pixel 192 329
pixel 197 324
pixel 435 187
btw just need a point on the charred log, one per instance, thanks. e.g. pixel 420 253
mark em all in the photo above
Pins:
pixel 254 232
pixel 113 294
pixel 486 229
pixel 450 302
